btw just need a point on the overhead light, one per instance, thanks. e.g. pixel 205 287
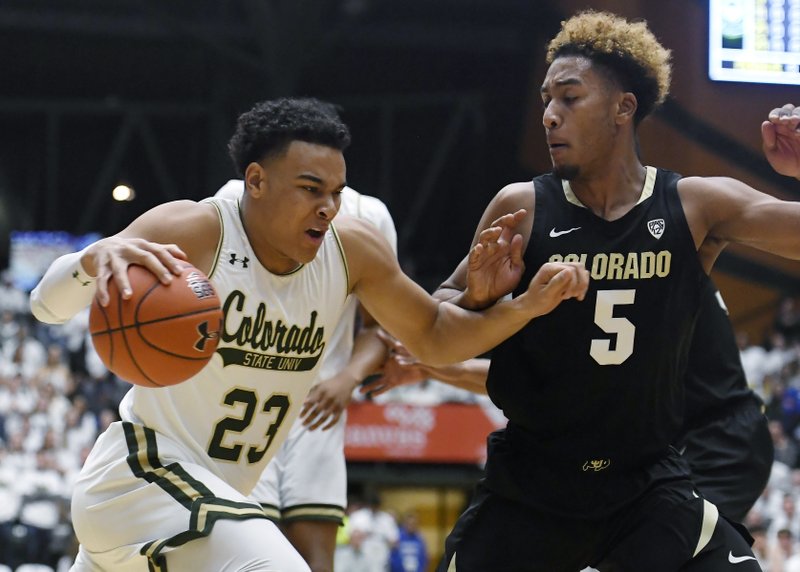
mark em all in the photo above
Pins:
pixel 123 193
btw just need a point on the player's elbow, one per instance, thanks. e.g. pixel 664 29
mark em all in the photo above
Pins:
pixel 41 312
pixel 434 354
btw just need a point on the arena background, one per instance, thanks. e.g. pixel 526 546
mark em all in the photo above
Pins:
pixel 441 95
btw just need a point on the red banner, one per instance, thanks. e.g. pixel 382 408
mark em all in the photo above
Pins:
pixel 449 433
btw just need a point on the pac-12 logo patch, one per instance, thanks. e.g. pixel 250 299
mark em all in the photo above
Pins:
pixel 656 227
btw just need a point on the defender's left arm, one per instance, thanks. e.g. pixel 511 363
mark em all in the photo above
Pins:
pixel 722 210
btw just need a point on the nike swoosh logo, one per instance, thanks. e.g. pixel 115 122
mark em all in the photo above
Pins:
pixel 738 559
pixel 554 233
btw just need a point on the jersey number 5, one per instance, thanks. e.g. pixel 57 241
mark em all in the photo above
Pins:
pixel 622 328
pixel 249 398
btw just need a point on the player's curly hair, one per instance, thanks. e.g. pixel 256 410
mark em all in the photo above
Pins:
pixel 270 126
pixel 629 50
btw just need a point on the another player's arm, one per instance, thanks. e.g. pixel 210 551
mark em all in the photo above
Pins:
pixel 470 374
pixel 477 286
pixel 327 400
pixel 780 135
pixel 440 333
pixel 722 210
pixel 162 240
pixel 404 369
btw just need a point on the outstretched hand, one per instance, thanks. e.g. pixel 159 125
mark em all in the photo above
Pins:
pixel 780 136
pixel 401 368
pixel 495 264
pixel 556 282
pixel 326 402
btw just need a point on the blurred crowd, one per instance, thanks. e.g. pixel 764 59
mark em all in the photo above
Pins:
pixel 56 396
pixel 377 540
pixel 773 370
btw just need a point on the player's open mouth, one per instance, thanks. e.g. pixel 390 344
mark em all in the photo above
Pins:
pixel 315 234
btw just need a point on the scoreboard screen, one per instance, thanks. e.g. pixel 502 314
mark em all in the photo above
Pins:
pixel 755 41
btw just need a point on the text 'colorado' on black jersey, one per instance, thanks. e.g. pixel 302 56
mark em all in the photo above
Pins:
pixel 596 386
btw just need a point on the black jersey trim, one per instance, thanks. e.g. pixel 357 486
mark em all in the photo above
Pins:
pixel 221 240
pixel 344 258
pixel 205 508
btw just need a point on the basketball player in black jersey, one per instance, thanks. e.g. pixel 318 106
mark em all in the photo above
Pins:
pixel 724 438
pixel 585 472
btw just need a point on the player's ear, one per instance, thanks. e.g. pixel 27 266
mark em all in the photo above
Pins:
pixel 626 107
pixel 253 176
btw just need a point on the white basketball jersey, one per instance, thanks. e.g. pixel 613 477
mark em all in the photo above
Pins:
pixel 340 347
pixel 233 415
pixel 354 204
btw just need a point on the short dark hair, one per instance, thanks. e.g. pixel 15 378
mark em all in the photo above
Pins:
pixel 270 126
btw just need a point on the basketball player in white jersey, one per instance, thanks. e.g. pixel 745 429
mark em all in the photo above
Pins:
pixel 168 485
pixel 304 487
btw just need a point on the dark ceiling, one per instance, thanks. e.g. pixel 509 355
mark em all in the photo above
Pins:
pixel 95 92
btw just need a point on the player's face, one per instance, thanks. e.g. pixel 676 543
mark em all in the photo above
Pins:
pixel 577 116
pixel 296 196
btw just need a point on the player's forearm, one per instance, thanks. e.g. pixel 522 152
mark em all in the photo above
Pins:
pixel 458 334
pixel 461 298
pixel 369 353
pixel 65 290
pixel 470 374
pixel 772 227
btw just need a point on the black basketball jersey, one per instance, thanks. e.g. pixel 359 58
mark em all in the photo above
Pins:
pixel 596 386
pixel 715 378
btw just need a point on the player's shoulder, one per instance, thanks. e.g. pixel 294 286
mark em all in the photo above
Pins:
pixel 517 190
pixel 713 190
pixel 700 184
pixel 514 196
pixel 184 214
pixel 232 190
pixel 362 206
pixel 361 238
pixel 365 249
pixel 193 226
pixel 350 226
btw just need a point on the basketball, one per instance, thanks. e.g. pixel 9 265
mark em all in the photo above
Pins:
pixel 163 334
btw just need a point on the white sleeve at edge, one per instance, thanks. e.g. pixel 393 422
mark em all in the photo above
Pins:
pixel 64 290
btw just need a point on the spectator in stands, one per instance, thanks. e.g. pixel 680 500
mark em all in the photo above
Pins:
pixel 381 530
pixel 9 326
pixel 760 546
pixel 781 551
pixel 355 556
pixel 55 371
pixel 17 401
pixel 11 297
pixel 81 426
pixel 410 553
pixel 24 354
pixel 787 518
pixel 752 362
pixel 787 319
pixel 778 354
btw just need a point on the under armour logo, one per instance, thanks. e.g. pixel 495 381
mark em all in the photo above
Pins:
pixel 234 260
pixel 656 227
pixel 77 277
pixel 205 335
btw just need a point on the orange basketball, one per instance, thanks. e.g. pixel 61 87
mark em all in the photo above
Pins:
pixel 161 335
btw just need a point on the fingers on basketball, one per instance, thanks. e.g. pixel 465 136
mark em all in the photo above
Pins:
pixel 163 334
